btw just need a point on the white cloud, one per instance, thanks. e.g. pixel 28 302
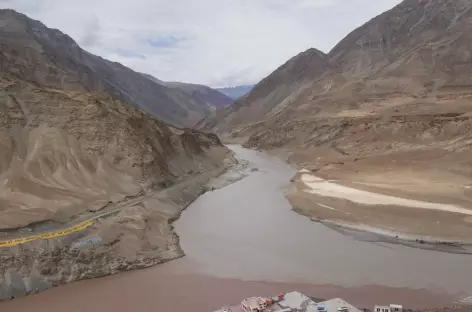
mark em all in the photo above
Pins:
pixel 214 42
pixel 315 3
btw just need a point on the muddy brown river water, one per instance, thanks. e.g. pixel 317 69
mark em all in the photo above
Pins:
pixel 245 240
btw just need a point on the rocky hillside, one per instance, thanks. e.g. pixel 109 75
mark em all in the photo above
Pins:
pixel 46 56
pixel 68 156
pixel 272 94
pixel 423 47
pixel 90 183
pixel 409 64
pixel 67 146
pixel 419 49
pixel 388 110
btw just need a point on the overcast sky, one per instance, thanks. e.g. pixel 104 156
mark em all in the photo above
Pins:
pixel 213 42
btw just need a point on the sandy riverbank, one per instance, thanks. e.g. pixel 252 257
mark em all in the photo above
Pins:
pixel 386 213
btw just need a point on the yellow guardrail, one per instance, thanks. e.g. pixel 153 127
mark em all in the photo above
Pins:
pixel 22 240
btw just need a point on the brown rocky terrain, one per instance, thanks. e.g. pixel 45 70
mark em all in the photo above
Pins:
pixel 387 110
pixel 272 94
pixel 89 142
pixel 69 155
pixel 47 56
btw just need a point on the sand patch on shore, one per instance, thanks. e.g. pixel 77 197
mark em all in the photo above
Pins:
pixel 322 187
pixel 385 213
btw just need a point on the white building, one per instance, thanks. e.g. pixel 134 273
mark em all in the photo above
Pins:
pixel 390 308
pixel 396 308
pixel 254 304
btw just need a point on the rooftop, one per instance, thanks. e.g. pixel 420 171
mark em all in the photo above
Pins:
pixel 298 302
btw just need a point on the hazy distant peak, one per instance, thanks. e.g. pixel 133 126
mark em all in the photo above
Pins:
pixel 235 92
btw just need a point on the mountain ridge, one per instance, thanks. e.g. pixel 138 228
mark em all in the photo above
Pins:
pixel 206 95
pixel 393 53
pixel 72 150
pixel 67 66
pixel 387 111
pixel 292 77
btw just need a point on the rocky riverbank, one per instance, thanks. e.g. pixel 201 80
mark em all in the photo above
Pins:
pixel 138 235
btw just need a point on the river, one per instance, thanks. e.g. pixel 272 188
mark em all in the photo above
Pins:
pixel 247 232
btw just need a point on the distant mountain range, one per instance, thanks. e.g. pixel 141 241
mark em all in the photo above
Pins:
pixel 237 91
pixel 205 95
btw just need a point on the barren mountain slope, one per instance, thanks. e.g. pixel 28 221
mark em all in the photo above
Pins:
pixel 389 110
pixel 90 184
pixel 113 138
pixel 273 93
pixel 204 94
pixel 68 157
pixel 48 57
pixel 420 48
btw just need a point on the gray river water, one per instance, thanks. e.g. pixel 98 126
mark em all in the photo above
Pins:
pixel 248 232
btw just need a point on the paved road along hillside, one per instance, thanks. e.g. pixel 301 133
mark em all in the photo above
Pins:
pixel 59 233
